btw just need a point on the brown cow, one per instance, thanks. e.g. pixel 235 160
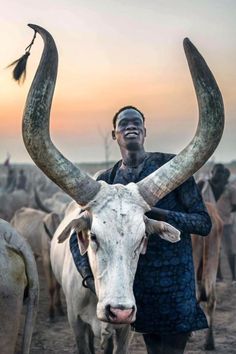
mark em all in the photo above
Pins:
pixel 206 252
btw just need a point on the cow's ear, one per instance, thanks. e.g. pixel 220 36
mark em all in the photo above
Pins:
pixel 83 241
pixel 65 233
pixel 163 229
pixel 83 222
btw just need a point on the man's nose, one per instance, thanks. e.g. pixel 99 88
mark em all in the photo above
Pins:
pixel 131 126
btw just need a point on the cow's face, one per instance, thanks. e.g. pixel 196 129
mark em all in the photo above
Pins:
pixel 116 238
pixel 114 232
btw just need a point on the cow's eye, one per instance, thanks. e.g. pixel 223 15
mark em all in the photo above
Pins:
pixel 93 237
pixel 94 241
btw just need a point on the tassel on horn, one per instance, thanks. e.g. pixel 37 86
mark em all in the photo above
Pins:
pixel 19 71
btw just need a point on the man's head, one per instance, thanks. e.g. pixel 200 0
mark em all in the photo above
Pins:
pixel 124 109
pixel 220 174
pixel 129 130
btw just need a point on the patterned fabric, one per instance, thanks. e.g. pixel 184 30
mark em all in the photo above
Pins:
pixel 164 285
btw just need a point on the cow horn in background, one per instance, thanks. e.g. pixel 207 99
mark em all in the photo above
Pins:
pixel 81 187
pixel 39 202
pixel 207 137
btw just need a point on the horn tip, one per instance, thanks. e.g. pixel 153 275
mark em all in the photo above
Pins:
pixel 187 42
pixel 33 26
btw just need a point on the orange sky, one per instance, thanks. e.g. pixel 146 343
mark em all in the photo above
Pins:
pixel 113 53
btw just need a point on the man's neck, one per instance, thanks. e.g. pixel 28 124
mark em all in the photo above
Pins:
pixel 133 158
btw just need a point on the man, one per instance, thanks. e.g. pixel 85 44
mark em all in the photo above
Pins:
pixel 11 180
pixel 164 285
pixel 21 180
pixel 220 192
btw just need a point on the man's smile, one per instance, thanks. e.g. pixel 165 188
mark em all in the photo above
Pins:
pixel 131 134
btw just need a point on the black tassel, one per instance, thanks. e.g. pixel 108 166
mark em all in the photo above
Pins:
pixel 19 72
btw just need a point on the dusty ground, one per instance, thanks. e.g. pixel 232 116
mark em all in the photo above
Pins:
pixel 57 337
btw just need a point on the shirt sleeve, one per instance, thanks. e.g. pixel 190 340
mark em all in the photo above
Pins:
pixel 195 219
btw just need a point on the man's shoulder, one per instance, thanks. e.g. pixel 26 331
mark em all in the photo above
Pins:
pixel 104 175
pixel 99 175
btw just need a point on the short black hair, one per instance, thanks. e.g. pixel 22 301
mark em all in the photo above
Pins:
pixel 124 109
pixel 218 167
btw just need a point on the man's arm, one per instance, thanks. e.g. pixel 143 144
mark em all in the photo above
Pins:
pixel 157 214
pixel 194 219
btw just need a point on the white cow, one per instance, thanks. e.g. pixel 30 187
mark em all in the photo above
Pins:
pixel 18 282
pixel 113 227
pixel 82 303
pixel 38 227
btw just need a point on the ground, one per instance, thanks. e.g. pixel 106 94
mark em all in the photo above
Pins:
pixel 57 338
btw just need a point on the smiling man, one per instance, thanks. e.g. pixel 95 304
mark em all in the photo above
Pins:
pixel 164 285
pixel 129 131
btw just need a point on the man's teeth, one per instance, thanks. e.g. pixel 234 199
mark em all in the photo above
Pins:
pixel 131 134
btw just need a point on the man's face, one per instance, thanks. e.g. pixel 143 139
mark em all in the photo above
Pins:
pixel 129 131
pixel 218 176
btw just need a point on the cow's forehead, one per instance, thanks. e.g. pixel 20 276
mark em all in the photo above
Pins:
pixel 118 199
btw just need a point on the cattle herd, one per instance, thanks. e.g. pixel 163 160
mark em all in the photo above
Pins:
pixel 27 232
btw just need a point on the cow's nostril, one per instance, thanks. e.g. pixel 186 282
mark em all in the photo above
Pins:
pixel 109 313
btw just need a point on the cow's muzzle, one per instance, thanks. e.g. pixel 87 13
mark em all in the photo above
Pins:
pixel 120 315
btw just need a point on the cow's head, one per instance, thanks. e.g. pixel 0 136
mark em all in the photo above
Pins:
pixel 121 236
pixel 114 231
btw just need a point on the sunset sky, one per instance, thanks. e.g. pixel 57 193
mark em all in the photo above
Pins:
pixel 114 53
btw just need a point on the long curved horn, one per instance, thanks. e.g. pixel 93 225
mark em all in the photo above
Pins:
pixel 207 137
pixel 81 187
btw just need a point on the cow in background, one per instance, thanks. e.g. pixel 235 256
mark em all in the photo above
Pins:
pixel 18 283
pixel 206 253
pixel 222 193
pixel 38 227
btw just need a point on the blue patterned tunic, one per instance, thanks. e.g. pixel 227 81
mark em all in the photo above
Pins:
pixel 164 285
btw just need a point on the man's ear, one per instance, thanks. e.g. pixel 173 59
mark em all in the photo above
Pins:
pixel 113 134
